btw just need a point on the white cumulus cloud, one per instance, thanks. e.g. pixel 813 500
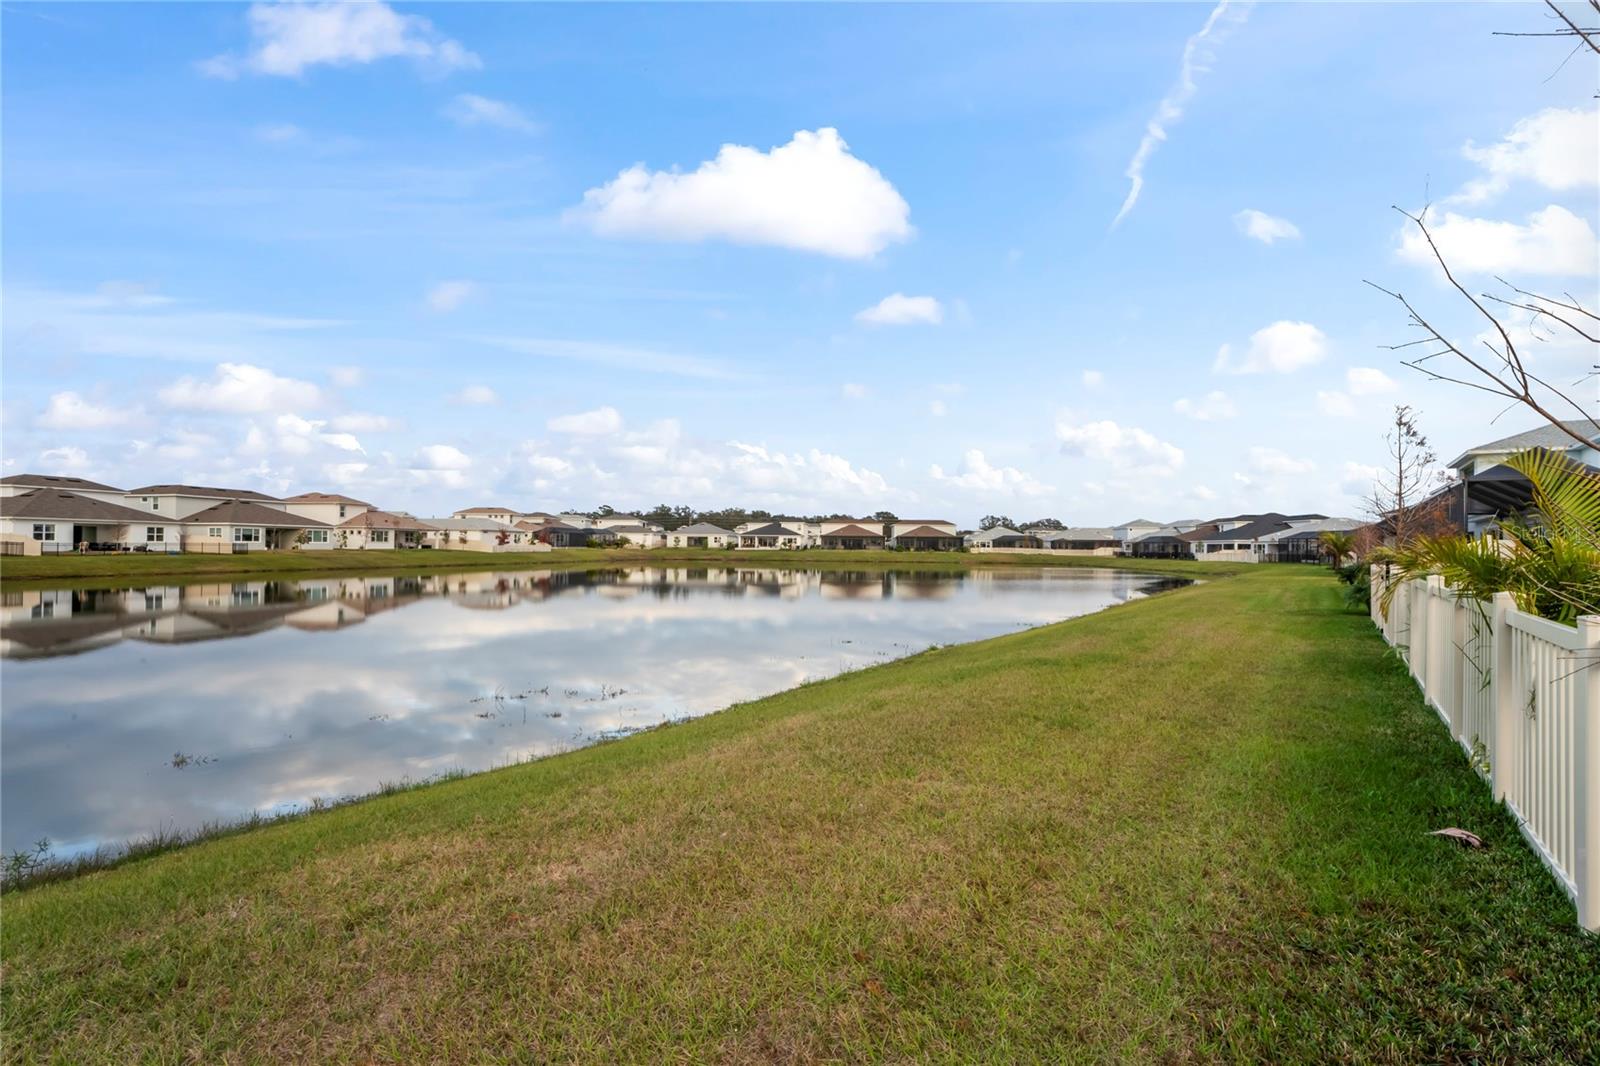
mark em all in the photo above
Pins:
pixel 287 39
pixel 1260 226
pixel 599 422
pixel 240 388
pixel 811 194
pixel 470 109
pixel 1552 241
pixel 69 410
pixel 1214 406
pixel 979 475
pixel 1280 348
pixel 1123 448
pixel 1558 148
pixel 898 309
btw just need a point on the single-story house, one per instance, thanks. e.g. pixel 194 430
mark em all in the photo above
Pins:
pixel 41 521
pixel 638 534
pixel 930 534
pixel 381 530
pixel 1001 537
pixel 478 535
pixel 702 535
pixel 1161 544
pixel 770 537
pixel 1081 540
pixel 181 501
pixel 562 535
pixel 246 526
pixel 328 507
pixel 849 536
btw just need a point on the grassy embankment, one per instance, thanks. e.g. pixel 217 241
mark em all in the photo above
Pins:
pixel 81 569
pixel 1190 827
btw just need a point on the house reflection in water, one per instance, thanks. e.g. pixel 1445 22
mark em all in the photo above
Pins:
pixel 38 623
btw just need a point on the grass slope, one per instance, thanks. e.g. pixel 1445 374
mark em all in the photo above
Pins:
pixel 78 569
pixel 1193 827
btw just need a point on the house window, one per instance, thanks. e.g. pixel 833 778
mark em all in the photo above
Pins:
pixel 214 532
pixel 155 534
pixel 44 531
pixel 380 536
pixel 246 534
pixel 341 510
pixel 43 610
pixel 155 504
pixel 154 603
pixel 316 536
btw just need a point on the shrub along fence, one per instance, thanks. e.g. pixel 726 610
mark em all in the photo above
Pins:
pixel 1521 694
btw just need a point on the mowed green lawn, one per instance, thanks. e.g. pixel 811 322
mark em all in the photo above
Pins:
pixel 1193 827
pixel 79 569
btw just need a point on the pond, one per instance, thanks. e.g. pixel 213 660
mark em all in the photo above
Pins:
pixel 131 710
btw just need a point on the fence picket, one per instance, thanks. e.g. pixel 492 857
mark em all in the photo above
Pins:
pixel 1523 693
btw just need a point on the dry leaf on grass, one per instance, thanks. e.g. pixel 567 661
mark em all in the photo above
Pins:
pixel 1466 839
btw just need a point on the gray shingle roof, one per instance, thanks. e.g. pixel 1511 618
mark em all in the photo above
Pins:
pixel 250 513
pixel 485 524
pixel 71 507
pixel 704 529
pixel 384 520
pixel 1539 437
pixel 772 529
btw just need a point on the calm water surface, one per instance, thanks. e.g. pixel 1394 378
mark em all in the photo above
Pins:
pixel 127 710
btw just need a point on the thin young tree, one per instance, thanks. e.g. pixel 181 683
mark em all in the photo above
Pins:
pixel 1406 500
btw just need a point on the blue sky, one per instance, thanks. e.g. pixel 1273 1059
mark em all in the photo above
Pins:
pixel 810 258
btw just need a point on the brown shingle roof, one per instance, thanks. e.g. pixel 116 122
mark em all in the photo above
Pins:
pixel 202 490
pixel 57 481
pixel 926 531
pixel 324 497
pixel 71 507
pixel 852 531
pixel 249 513
pixel 487 510
pixel 385 520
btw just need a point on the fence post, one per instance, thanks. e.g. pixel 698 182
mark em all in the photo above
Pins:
pixel 1587 819
pixel 1502 700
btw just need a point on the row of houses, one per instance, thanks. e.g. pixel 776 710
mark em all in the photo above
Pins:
pixel 43 514
pixel 1253 538
pixel 570 529
pixel 46 513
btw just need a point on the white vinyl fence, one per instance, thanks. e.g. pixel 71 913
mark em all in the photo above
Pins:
pixel 1522 695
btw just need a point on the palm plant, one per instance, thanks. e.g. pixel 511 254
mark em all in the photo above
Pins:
pixel 1548 559
pixel 1337 545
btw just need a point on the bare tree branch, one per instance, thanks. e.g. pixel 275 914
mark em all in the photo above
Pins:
pixel 1511 379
